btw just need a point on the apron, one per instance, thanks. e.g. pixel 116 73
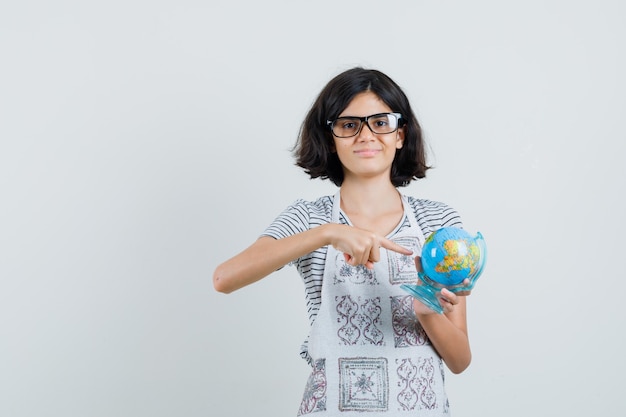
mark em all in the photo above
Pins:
pixel 369 352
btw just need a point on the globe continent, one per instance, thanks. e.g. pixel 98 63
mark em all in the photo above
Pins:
pixel 450 255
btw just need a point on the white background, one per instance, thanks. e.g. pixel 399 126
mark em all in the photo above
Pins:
pixel 144 142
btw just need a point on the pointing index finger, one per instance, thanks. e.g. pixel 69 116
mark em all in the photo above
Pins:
pixel 388 244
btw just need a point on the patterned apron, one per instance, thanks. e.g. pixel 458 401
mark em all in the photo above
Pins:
pixel 370 354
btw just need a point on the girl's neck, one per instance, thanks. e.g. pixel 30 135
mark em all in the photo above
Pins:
pixel 369 198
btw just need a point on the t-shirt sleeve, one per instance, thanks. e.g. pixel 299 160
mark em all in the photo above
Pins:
pixel 433 215
pixel 451 217
pixel 293 220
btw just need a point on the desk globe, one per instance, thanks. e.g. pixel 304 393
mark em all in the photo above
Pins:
pixel 449 256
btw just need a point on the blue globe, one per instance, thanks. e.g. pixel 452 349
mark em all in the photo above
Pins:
pixel 450 255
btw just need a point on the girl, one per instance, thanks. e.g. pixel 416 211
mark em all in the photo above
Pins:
pixel 371 346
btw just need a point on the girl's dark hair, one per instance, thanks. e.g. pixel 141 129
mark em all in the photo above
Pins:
pixel 314 149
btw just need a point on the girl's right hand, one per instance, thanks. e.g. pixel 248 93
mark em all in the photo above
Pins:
pixel 362 247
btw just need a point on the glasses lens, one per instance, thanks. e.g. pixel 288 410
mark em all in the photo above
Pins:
pixel 345 127
pixel 383 123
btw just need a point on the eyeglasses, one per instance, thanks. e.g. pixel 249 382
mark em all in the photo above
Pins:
pixel 381 123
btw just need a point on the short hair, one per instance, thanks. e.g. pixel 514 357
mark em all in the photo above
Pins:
pixel 314 147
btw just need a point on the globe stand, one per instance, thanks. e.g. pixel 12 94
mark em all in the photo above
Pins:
pixel 426 294
pixel 427 291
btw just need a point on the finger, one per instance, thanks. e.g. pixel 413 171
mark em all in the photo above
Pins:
pixel 374 255
pixel 351 260
pixel 347 258
pixel 418 263
pixel 361 257
pixel 449 297
pixel 464 293
pixel 388 244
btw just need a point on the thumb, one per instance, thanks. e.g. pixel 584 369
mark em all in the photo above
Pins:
pixel 418 263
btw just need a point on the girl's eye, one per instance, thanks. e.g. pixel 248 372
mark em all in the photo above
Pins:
pixel 381 123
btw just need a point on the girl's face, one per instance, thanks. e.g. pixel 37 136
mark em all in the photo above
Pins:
pixel 367 154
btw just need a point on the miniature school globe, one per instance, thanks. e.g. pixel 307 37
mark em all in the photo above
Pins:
pixel 449 256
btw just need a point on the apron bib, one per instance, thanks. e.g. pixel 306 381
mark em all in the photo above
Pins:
pixel 370 354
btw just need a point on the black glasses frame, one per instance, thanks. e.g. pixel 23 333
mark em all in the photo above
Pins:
pixel 398 116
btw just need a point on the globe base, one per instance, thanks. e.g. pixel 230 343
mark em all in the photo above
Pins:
pixel 426 294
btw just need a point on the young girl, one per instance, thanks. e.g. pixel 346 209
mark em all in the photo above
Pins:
pixel 371 346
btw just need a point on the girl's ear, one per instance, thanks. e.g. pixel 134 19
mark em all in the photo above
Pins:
pixel 400 138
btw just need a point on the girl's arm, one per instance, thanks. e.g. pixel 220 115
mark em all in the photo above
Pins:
pixel 267 254
pixel 448 332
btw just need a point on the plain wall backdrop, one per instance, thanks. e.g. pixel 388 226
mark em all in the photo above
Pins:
pixel 143 143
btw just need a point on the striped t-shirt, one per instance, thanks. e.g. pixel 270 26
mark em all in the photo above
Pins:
pixel 304 215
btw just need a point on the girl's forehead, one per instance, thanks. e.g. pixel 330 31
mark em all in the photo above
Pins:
pixel 366 102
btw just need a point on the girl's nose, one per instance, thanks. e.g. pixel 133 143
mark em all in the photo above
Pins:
pixel 366 133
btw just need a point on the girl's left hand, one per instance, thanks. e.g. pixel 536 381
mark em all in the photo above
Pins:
pixel 446 298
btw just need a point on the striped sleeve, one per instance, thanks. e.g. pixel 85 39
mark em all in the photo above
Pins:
pixel 293 220
pixel 433 215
